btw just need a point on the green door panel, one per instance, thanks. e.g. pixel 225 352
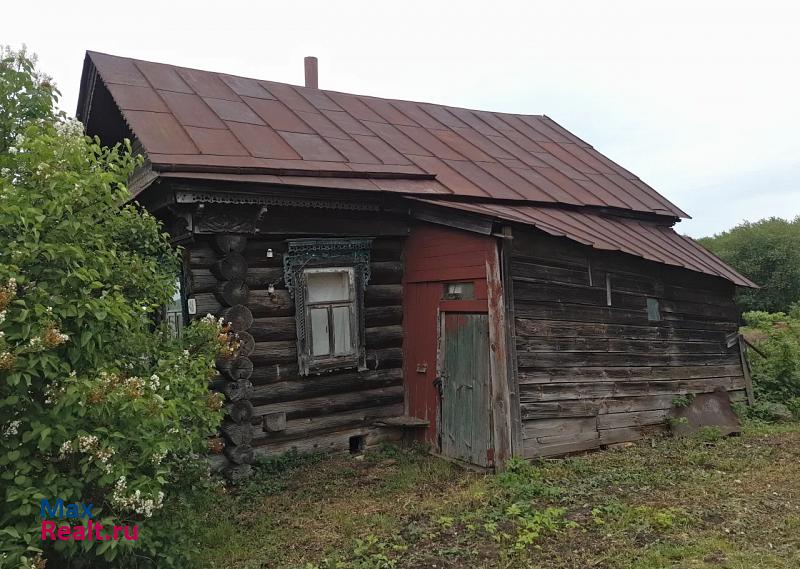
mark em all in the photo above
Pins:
pixel 465 427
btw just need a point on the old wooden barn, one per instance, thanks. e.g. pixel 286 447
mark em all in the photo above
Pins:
pixel 486 282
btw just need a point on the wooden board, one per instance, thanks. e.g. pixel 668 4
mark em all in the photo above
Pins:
pixel 466 409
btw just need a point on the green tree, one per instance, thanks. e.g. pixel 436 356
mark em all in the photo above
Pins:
pixel 98 402
pixel 768 253
pixel 25 94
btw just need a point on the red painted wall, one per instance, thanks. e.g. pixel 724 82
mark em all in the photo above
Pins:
pixel 436 255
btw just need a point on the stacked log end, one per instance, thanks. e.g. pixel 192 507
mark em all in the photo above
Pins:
pixel 231 293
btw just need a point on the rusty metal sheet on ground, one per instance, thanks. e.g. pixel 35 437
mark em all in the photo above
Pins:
pixel 707 410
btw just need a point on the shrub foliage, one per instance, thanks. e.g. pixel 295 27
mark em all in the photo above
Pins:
pixel 776 373
pixel 98 402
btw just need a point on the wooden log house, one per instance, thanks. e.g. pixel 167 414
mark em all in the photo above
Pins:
pixel 486 282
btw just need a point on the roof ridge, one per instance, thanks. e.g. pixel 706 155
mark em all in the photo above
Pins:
pixel 445 105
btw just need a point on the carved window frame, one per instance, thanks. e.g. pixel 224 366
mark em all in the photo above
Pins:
pixel 345 254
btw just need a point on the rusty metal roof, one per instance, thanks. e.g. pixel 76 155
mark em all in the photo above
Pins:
pixel 646 239
pixel 198 121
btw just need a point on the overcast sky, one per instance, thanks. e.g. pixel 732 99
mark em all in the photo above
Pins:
pixel 700 99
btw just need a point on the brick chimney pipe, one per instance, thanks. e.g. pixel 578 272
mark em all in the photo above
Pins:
pixel 312 72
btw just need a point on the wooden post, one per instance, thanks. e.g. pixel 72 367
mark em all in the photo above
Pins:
pixel 748 380
pixel 498 363
pixel 506 250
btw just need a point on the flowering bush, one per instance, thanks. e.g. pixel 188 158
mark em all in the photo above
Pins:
pixel 98 402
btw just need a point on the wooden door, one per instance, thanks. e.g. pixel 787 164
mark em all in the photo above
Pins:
pixel 465 427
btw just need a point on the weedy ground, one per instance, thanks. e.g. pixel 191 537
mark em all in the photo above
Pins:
pixel 694 503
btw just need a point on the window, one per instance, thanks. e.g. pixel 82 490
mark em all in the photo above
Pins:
pixel 459 291
pixel 330 312
pixel 173 311
pixel 653 310
pixel 327 278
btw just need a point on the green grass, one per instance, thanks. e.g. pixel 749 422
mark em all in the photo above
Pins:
pixel 691 503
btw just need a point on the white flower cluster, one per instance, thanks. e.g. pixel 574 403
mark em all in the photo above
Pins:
pixel 35 344
pixel 66 448
pixel 52 392
pixel 104 456
pixel 135 502
pixel 158 457
pixel 86 443
pixel 61 337
pixel 11 287
pixel 89 444
pixel 211 319
pixel 108 378
pixel 12 428
pixel 69 127
pixel 155 382
pixel 2 316
pixel 135 385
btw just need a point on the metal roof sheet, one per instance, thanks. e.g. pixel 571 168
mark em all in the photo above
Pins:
pixel 650 240
pixel 191 120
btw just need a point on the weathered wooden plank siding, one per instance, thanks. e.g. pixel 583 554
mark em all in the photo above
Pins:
pixel 322 411
pixel 591 374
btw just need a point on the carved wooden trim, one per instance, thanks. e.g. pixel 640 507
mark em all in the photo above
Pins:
pixel 320 253
pixel 243 198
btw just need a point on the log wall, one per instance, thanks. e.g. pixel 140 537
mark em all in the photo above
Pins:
pixel 591 374
pixel 271 408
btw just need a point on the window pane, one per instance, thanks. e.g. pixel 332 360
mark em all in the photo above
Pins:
pixel 174 311
pixel 175 305
pixel 329 286
pixel 342 341
pixel 320 345
pixel 653 310
pixel 459 291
